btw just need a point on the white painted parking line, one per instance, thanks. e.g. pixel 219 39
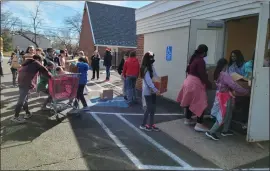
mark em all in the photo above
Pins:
pixel 254 169
pixel 138 114
pixel 156 167
pixel 131 156
pixel 156 144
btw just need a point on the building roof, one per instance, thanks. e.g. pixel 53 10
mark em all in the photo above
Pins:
pixel 112 25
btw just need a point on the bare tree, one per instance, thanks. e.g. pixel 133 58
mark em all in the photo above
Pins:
pixel 74 23
pixel 64 39
pixel 36 23
pixel 8 21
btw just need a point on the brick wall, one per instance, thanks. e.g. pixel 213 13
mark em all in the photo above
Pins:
pixel 86 43
pixel 140 53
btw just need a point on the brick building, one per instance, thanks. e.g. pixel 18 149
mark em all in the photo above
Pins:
pixel 108 26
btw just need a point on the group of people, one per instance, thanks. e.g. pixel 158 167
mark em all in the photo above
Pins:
pixel 35 62
pixel 192 96
pixel 95 63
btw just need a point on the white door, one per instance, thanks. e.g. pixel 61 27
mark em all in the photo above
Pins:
pixel 258 124
pixel 210 33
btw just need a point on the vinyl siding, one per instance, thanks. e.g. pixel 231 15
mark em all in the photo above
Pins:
pixel 180 17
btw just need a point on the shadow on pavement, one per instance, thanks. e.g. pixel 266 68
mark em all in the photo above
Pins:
pixel 35 126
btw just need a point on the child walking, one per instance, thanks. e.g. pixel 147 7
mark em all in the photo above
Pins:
pixel 149 91
pixel 223 105
pixel 43 84
pixel 14 66
pixel 83 68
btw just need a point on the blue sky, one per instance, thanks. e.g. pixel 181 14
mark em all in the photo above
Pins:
pixel 54 12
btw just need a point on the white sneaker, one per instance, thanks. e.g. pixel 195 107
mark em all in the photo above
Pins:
pixel 17 120
pixel 27 115
pixel 201 128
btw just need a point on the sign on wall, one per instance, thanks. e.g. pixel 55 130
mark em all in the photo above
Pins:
pixel 169 53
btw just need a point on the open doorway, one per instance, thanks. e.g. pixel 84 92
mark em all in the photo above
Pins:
pixel 241 34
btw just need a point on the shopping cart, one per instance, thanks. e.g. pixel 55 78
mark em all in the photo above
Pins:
pixel 61 88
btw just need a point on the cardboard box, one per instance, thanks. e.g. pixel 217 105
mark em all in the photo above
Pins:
pixel 106 94
pixel 162 84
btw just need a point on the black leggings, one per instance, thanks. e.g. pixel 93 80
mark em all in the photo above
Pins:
pixel 80 96
pixel 1 69
pixel 95 70
pixel 14 75
pixel 150 109
pixel 188 115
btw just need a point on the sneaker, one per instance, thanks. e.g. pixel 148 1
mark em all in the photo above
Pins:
pixel 212 136
pixel 17 120
pixel 92 78
pixel 189 122
pixel 200 128
pixel 145 127
pixel 228 133
pixel 27 115
pixel 154 128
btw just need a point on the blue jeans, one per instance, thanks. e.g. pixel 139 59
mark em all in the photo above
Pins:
pixel 131 88
pixel 22 101
pixel 108 74
pixel 124 89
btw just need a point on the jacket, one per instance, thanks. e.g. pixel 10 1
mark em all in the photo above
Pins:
pixel 131 67
pixel 95 61
pixel 14 63
pixel 107 59
pixel 28 71
pixel 43 82
pixel 55 60
pixel 83 69
pixel 121 66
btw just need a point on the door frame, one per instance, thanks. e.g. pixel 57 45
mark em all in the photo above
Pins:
pixel 258 62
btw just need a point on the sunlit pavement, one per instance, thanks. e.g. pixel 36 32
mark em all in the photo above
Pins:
pixel 106 136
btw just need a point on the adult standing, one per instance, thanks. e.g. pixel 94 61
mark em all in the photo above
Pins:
pixel 95 64
pixel 236 63
pixel 27 73
pixel 18 54
pixel 62 59
pixel 108 63
pixel 192 96
pixel 30 52
pixel 81 55
pixel 131 72
pixel 51 57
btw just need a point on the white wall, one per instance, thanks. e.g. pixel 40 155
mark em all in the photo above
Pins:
pixel 175 69
pixel 23 43
pixel 180 16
